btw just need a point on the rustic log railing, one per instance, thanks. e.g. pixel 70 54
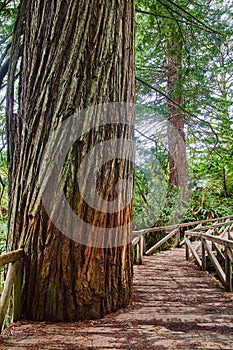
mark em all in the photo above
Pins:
pixel 13 282
pixel 218 234
pixel 172 230
pixel 212 239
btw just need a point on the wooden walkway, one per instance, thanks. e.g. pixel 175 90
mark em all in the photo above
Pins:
pixel 176 306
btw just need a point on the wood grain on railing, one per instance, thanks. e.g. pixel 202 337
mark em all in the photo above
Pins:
pixel 214 234
pixel 183 225
pixel 13 282
pixel 11 257
pixel 162 241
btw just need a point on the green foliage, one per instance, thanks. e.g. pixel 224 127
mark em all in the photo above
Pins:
pixel 206 85
pixel 8 12
pixel 3 234
pixel 150 186
pixel 154 203
pixel 206 204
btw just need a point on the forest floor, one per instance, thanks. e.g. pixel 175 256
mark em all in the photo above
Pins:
pixel 175 306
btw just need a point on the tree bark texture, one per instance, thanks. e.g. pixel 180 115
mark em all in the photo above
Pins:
pixel 176 136
pixel 75 54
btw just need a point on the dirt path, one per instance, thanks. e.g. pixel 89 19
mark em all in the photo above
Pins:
pixel 175 306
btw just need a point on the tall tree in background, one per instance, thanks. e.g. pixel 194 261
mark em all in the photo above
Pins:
pixel 73 55
pixel 176 136
pixel 178 69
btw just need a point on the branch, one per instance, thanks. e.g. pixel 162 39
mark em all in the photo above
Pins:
pixel 4 66
pixel 178 105
pixel 164 95
pixel 172 18
pixel 150 139
pixel 141 192
pixel 187 13
pixel 4 4
pixel 3 71
pixel 147 137
pixel 5 53
pixel 5 39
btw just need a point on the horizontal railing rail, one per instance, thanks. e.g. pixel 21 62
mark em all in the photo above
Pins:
pixel 171 231
pixel 183 225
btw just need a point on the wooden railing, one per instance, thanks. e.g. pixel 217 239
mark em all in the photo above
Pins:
pixel 13 282
pixel 219 234
pixel 171 231
pixel 139 241
pixel 215 241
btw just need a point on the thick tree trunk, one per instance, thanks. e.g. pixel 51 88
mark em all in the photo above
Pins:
pixel 76 54
pixel 176 136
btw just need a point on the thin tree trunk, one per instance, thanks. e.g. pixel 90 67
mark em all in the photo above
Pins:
pixel 76 54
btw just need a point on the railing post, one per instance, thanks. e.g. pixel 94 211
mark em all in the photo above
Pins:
pixel 141 242
pixel 138 254
pixel 229 233
pixel 6 293
pixel 144 245
pixel 140 247
pixel 187 251
pixel 177 242
pixel 203 256
pixel 228 271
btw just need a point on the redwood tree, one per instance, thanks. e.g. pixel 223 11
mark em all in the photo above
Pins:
pixel 69 55
pixel 176 136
